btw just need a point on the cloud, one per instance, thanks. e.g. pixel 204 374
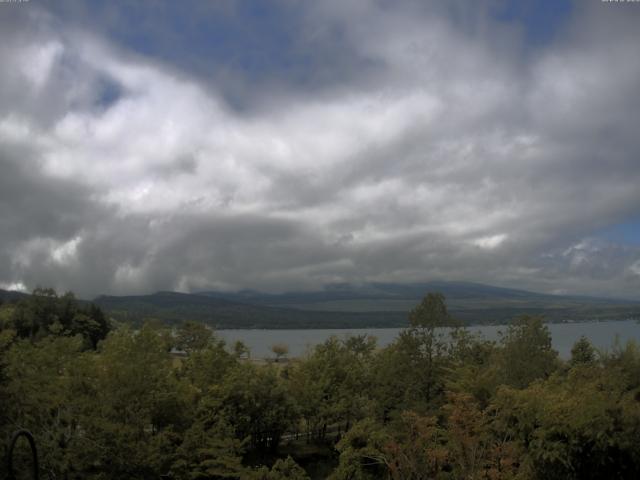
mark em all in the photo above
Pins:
pixel 490 242
pixel 455 155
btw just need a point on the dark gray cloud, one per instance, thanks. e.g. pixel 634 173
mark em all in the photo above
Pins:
pixel 372 142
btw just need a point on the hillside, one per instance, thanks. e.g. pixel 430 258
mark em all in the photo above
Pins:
pixel 369 305
pixel 10 295
pixel 172 307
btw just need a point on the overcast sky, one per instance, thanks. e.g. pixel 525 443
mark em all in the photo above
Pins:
pixel 290 144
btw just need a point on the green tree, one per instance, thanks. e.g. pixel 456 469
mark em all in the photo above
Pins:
pixel 475 366
pixel 330 386
pixel 527 354
pixel 209 451
pixel 280 350
pixel 45 313
pixel 193 336
pixel 582 353
pixel 241 350
pixel 256 403
pixel 572 427
pixel 362 455
pixel 207 367
pixel 410 372
pixel 430 313
pixel 286 469
pixel 37 394
pixel 132 407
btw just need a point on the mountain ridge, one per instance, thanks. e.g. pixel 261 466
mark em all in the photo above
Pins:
pixel 364 305
pixel 409 291
pixel 371 305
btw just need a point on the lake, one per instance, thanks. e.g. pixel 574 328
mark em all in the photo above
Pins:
pixel 563 335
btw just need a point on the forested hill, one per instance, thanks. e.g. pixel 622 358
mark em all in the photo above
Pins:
pixel 10 295
pixel 368 305
pixel 173 308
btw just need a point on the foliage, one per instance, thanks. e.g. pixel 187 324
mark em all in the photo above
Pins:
pixel 208 367
pixel 526 352
pixel 45 313
pixel 430 313
pixel 193 336
pixel 436 404
pixel 286 469
pixel 208 450
pixel 241 350
pixel 329 387
pixel 411 372
pixel 365 306
pixel 582 353
pixel 280 350
pixel 255 402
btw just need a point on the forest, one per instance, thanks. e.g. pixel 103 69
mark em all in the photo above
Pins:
pixel 107 401
pixel 378 305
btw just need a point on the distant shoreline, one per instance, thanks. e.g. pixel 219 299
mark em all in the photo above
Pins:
pixel 499 324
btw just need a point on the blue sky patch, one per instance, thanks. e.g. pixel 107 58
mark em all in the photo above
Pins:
pixel 626 232
pixel 541 20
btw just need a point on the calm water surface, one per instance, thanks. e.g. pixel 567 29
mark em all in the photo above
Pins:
pixel 601 334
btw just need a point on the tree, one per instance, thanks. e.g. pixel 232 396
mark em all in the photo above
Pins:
pixel 419 448
pixel 280 350
pixel 474 451
pixel 286 469
pixel 45 313
pixel 132 406
pixel 331 385
pixel 83 324
pixel 193 336
pixel 410 373
pixel 209 450
pixel 582 353
pixel 241 350
pixel 430 313
pixel 207 367
pixel 475 366
pixel 573 426
pixel 255 402
pixel 362 455
pixel 361 345
pixel 527 354
pixel 99 332
pixel 412 448
pixel 37 394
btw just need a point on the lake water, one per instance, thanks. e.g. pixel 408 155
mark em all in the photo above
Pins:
pixel 563 335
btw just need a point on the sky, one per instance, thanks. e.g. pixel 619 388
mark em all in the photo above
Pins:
pixel 287 145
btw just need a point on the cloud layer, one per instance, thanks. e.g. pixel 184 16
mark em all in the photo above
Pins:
pixel 439 146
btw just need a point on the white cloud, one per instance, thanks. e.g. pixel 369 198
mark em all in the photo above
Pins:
pixel 38 60
pixel 406 174
pixel 15 287
pixel 490 242
pixel 66 252
pixel 14 129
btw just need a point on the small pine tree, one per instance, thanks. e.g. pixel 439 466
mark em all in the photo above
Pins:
pixel 582 353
